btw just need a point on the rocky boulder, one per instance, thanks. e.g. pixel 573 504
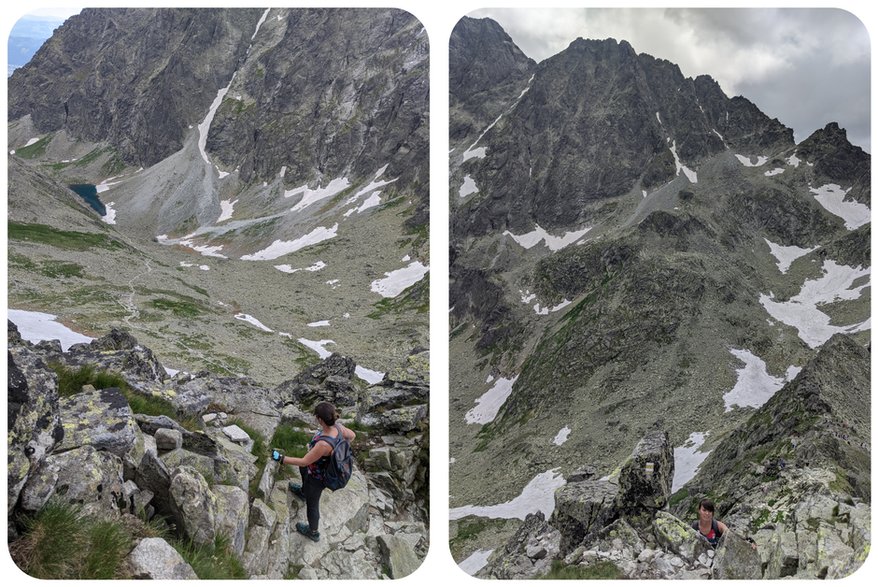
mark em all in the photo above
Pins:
pixel 154 558
pixel 398 556
pixel 100 418
pixel 645 479
pixel 582 509
pixel 529 553
pixel 82 476
pixel 232 515
pixel 676 536
pixel 34 425
pixel 196 504
pixel 118 351
pixel 736 559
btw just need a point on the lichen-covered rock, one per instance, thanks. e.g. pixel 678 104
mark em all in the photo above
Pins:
pixel 100 418
pixel 119 352
pixel 398 556
pixel 398 421
pixel 154 558
pixel 736 559
pixel 181 456
pixel 82 476
pixel 645 479
pixel 528 553
pixel 168 439
pixel 783 554
pixel 232 515
pixel 34 425
pixel 152 474
pixel 676 536
pixel 582 509
pixel 262 515
pixel 196 503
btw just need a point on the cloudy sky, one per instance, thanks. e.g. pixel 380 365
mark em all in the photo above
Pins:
pixel 805 67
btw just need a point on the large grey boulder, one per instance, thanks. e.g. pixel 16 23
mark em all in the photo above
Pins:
pixel 154 558
pixel 82 476
pixel 645 478
pixel 674 535
pixel 736 559
pixel 153 475
pixel 398 556
pixel 783 554
pixel 398 421
pixel 34 420
pixel 528 553
pixel 168 439
pixel 100 418
pixel 196 503
pixel 582 509
pixel 232 515
pixel 119 352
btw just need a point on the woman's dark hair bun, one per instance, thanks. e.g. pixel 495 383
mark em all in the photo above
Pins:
pixel 326 412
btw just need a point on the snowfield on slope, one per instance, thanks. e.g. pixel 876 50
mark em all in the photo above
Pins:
pixel 490 402
pixel 802 312
pixel 537 496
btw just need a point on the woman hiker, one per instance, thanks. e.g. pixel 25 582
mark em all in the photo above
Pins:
pixel 313 465
pixel 709 529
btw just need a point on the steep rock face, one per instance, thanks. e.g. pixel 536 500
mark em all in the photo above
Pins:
pixel 487 71
pixel 113 75
pixel 367 88
pixel 555 148
pixel 837 160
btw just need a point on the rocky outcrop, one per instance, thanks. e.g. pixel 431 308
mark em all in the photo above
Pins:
pixel 154 558
pixel 112 463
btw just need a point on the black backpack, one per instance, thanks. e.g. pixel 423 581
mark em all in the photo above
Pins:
pixel 341 461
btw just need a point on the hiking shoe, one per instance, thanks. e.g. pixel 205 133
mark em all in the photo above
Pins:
pixel 305 530
pixel 296 490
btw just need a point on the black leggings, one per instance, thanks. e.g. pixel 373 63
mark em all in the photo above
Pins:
pixel 312 488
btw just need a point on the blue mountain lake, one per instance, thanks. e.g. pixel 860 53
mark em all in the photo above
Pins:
pixel 89 193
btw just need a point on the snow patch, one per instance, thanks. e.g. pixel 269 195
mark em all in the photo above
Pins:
pixel 688 459
pixel 107 184
pixel 775 171
pixel 562 435
pixel 310 196
pixel 801 310
pixel 39 326
pixel 537 496
pixel 831 196
pixel 395 282
pixel 476 561
pixel 319 323
pixel 786 255
pixel 370 202
pixel 253 321
pixel 369 376
pixel 526 296
pixel 227 207
pixel 289 269
pixel 204 127
pixel 793 160
pixel 318 346
pixel 475 153
pixel 644 193
pixel 468 187
pixel 555 243
pixel 489 378
pixel 690 175
pixel 206 250
pixel 110 216
pixel 490 402
pixel 259 24
pixel 545 310
pixel 31 142
pixel 280 248
pixel 657 117
pixel 204 267
pixel 754 386
pixel 746 160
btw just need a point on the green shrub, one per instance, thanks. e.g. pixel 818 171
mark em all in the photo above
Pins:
pixel 62 239
pixel 58 542
pixel 70 382
pixel 599 570
pixel 214 561
pixel 290 441
pixel 38 149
